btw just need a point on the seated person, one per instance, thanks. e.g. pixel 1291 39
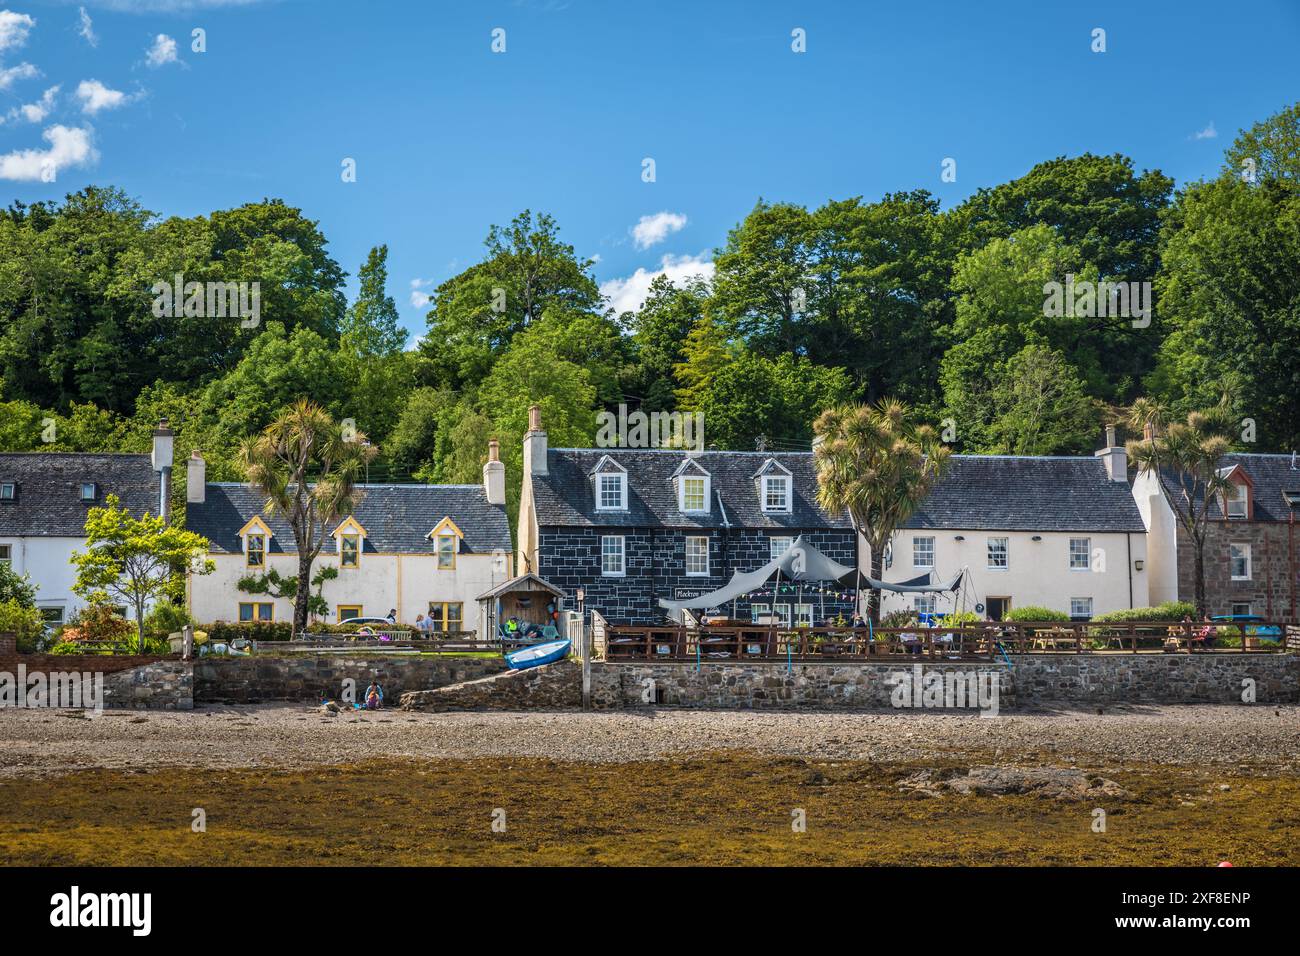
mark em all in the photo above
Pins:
pixel 374 696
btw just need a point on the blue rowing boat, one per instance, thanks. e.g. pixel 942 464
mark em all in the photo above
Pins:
pixel 537 655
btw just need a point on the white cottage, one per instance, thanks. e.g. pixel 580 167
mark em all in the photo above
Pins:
pixel 421 549
pixel 44 500
pixel 1056 532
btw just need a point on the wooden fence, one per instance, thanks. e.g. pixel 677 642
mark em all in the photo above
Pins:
pixel 987 640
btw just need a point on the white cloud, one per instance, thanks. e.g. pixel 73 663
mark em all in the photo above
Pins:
pixel 420 299
pixel 23 71
pixel 35 112
pixel 1208 133
pixel 626 295
pixel 14 28
pixel 655 229
pixel 167 6
pixel 95 96
pixel 162 52
pixel 68 148
pixel 87 28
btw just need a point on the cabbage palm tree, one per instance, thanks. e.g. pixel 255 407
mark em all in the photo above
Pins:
pixel 309 467
pixel 877 465
pixel 1184 458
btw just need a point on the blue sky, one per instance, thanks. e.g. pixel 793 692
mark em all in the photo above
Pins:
pixel 450 137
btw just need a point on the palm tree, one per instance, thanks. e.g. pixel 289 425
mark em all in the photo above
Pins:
pixel 309 470
pixel 877 465
pixel 1184 458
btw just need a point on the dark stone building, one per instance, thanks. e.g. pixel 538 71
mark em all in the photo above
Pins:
pixel 631 526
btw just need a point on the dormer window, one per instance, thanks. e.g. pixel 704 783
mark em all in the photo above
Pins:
pixel 775 487
pixel 609 486
pixel 351 539
pixel 446 538
pixel 776 493
pixel 692 483
pixel 1238 498
pixel 88 491
pixel 255 550
pixel 8 491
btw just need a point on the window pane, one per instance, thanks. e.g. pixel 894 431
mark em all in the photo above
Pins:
pixel 611 554
pixel 997 552
pixel 245 612
pixel 780 546
pixel 611 491
pixel 1080 554
pixel 1081 607
pixel 697 556
pixel 265 612
pixel 923 552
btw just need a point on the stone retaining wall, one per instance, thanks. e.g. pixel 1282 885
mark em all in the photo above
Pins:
pixel 162 685
pixel 311 677
pixel 1157 678
pixel 555 686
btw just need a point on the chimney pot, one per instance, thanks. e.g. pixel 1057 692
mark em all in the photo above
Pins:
pixel 1110 436
pixel 494 450
pixel 196 479
pixel 534 418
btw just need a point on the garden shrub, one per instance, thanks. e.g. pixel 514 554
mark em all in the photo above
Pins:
pixel 1035 614
pixel 1172 611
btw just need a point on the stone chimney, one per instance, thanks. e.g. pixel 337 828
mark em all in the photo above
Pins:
pixel 1114 456
pixel 196 478
pixel 535 443
pixel 163 439
pixel 494 475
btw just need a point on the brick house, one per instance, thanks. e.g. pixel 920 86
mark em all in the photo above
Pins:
pixel 630 526
pixel 1251 558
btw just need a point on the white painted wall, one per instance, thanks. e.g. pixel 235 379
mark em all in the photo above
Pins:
pixel 1038 572
pixel 1162 537
pixel 408 582
pixel 48 561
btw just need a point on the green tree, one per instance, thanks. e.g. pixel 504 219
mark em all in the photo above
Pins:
pixel 1042 406
pixel 658 331
pixel 1184 458
pixel 135 560
pixel 475 314
pixel 309 469
pixel 16 587
pixel 876 464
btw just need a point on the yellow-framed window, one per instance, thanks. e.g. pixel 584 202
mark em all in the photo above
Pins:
pixel 446 552
pixel 350 550
pixel 256 611
pixel 447 615
pixel 347 611
pixel 256 550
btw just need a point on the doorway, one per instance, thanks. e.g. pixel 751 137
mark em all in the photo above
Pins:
pixel 996 607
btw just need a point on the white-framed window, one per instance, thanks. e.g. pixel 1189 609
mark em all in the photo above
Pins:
pixel 1080 554
pixel 1080 608
pixel 613 557
pixel 697 557
pixel 782 612
pixel 695 493
pixel 1237 496
pixel 759 611
pixel 923 603
pixel 776 492
pixel 923 551
pixel 87 491
pixel 52 616
pixel 6 554
pixel 778 546
pixel 998 554
pixel 1239 561
pixel 611 492
pixel 803 615
pixel 7 491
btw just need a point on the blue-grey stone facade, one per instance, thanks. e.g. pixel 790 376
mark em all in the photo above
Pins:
pixel 655 565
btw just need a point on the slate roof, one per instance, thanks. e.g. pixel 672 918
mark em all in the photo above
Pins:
pixel 564 497
pixel 994 492
pixel 1272 475
pixel 48 501
pixel 1028 493
pixel 397 518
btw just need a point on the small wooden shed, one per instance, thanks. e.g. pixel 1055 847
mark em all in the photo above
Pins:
pixel 529 598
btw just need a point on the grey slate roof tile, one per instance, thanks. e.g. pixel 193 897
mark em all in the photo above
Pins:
pixel 564 497
pixel 48 499
pixel 397 518
pixel 1024 493
pixel 1272 475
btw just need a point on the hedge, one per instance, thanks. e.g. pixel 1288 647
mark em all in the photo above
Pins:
pixel 1035 614
pixel 1171 611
